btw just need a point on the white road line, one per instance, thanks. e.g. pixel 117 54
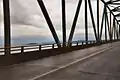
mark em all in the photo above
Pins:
pixel 67 65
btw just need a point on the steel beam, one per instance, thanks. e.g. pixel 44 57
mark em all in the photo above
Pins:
pixel 64 23
pixel 113 16
pixel 49 22
pixel 86 23
pixel 7 36
pixel 92 18
pixel 105 27
pixel 116 30
pixel 114 0
pixel 113 30
pixel 110 26
pixel 103 16
pixel 115 3
pixel 108 23
pixel 98 19
pixel 75 21
pixel 109 9
pixel 114 27
pixel 119 31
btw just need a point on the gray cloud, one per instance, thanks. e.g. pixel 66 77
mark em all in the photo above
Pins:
pixel 28 13
pixel 21 13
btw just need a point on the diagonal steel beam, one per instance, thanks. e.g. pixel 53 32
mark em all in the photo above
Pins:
pixel 74 21
pixel 112 14
pixel 7 36
pixel 49 22
pixel 102 22
pixel 114 3
pixel 117 15
pixel 92 18
pixel 115 0
pixel 109 9
pixel 116 9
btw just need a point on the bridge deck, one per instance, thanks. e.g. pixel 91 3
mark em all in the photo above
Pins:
pixel 95 63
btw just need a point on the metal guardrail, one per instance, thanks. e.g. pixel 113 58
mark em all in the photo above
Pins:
pixel 29 48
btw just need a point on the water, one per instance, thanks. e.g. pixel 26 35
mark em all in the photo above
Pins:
pixel 18 41
pixel 27 40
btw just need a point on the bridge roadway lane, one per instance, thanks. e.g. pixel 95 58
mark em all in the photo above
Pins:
pixel 104 66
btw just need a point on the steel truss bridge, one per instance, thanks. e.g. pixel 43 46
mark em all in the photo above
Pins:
pixel 110 23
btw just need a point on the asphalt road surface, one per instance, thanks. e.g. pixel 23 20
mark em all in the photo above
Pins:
pixel 95 63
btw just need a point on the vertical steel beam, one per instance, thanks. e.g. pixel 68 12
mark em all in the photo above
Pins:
pixel 111 31
pixel 64 23
pixel 116 30
pixel 107 23
pixel 110 26
pixel 114 34
pixel 49 22
pixel 105 27
pixel 92 18
pixel 98 19
pixel 7 37
pixel 75 21
pixel 86 23
pixel 119 31
pixel 114 27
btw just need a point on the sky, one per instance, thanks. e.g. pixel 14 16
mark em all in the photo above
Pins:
pixel 29 26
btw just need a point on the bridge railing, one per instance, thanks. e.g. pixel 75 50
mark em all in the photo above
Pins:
pixel 40 47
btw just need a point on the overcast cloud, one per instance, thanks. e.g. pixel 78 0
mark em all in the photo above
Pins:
pixel 27 18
